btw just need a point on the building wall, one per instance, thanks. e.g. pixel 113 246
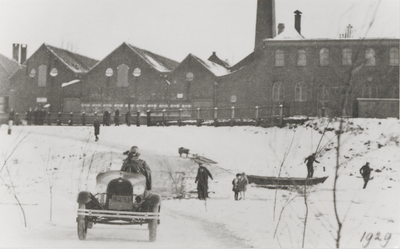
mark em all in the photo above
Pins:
pixel 28 90
pixel 253 84
pixel 150 86
pixel 378 108
pixel 201 87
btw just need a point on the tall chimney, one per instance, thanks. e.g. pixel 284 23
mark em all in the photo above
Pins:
pixel 24 48
pixel 265 21
pixel 281 28
pixel 297 21
pixel 15 51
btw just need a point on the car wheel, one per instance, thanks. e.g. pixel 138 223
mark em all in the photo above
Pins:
pixel 153 223
pixel 82 224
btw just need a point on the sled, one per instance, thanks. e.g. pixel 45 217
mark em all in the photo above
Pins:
pixel 271 180
pixel 201 159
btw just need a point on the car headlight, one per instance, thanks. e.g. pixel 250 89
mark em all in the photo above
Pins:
pixel 101 188
pixel 138 189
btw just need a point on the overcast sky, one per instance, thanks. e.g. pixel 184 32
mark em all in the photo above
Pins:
pixel 175 28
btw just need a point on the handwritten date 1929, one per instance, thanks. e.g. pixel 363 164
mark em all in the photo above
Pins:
pixel 370 236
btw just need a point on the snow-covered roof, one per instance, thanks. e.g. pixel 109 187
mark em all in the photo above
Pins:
pixel 8 66
pixel 77 63
pixel 289 33
pixel 158 62
pixel 215 68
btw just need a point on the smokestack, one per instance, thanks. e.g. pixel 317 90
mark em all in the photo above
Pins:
pixel 281 28
pixel 15 51
pixel 297 21
pixel 265 21
pixel 24 48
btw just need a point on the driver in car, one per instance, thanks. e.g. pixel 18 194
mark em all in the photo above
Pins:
pixel 133 164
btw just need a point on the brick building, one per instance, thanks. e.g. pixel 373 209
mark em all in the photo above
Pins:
pixel 7 68
pixel 128 78
pixel 39 83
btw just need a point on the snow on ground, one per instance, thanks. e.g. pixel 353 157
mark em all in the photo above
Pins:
pixel 67 159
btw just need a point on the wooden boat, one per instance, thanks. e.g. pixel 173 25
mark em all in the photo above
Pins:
pixel 272 180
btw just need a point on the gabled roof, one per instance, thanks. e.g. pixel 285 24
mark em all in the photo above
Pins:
pixel 77 63
pixel 214 58
pixel 214 68
pixel 158 62
pixel 8 66
pixel 247 60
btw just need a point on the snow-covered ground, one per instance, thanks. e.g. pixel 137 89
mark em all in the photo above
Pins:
pixel 66 160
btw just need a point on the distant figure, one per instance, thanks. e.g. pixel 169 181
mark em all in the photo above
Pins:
pixel 133 164
pixel 365 171
pixel 235 186
pixel 202 181
pixel 116 118
pixel 36 117
pixel 96 124
pixel 11 118
pixel 106 118
pixel 128 118
pixel 71 119
pixel 83 118
pixel 242 186
pixel 310 161
pixel 29 116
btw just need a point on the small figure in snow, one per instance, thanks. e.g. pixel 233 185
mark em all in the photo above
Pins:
pixel 235 184
pixel 242 187
pixel 310 160
pixel 365 171
pixel 96 124
pixel 116 117
pixel 202 181
pixel 133 164
pixel 106 118
pixel 128 118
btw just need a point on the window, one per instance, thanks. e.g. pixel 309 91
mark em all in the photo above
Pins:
pixel 301 58
pixel 122 75
pixel 370 57
pixel 300 92
pixel 346 57
pixel 324 57
pixel 277 92
pixel 279 58
pixel 394 57
pixel 42 76
pixel 322 94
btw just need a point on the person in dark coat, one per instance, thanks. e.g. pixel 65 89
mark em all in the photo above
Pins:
pixel 116 118
pixel 96 124
pixel 128 118
pixel 202 181
pixel 235 187
pixel 310 168
pixel 365 171
pixel 132 163
pixel 29 116
pixel 11 115
pixel 35 117
pixel 106 118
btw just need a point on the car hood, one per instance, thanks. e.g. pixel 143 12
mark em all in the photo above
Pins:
pixel 106 177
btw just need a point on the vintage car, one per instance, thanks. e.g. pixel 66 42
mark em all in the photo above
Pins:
pixel 121 199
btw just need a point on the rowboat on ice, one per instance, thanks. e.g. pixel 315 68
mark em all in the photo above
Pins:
pixel 272 180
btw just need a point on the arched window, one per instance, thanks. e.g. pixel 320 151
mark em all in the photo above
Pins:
pixel 277 92
pixel 370 57
pixel 322 94
pixel 300 92
pixel 394 57
pixel 279 58
pixel 366 91
pixel 42 76
pixel 346 57
pixel 301 58
pixel 324 57
pixel 122 75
